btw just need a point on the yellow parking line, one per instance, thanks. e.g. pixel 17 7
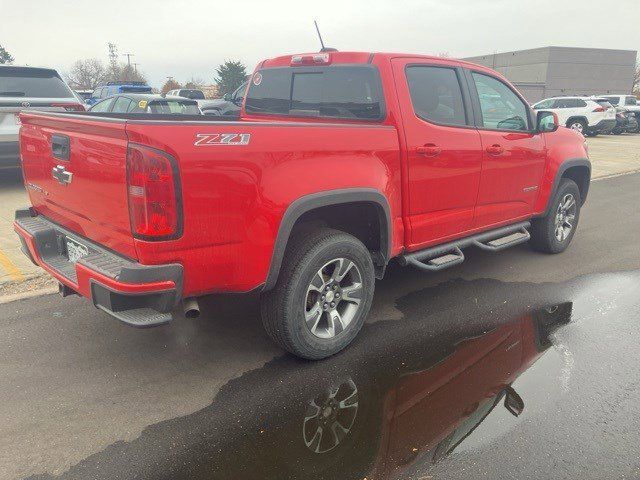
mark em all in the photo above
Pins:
pixel 9 267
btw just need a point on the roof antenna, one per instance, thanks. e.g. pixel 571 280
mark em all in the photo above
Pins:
pixel 323 49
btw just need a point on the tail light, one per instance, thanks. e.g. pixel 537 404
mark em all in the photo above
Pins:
pixel 154 195
pixel 599 109
pixel 70 107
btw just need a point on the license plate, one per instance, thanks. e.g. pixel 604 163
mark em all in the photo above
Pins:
pixel 76 250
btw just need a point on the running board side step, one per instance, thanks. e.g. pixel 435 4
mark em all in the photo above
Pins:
pixel 449 254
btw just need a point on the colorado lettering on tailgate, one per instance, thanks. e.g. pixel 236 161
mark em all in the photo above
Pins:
pixel 207 139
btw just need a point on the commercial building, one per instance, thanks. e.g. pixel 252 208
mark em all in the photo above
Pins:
pixel 555 71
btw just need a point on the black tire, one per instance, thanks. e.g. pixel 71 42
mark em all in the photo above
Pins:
pixel 543 230
pixel 616 131
pixel 575 121
pixel 283 308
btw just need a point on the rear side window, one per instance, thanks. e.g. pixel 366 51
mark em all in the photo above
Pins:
pixel 174 107
pixel 630 101
pixel 501 108
pixel 568 103
pixel 32 83
pixel 346 92
pixel 436 94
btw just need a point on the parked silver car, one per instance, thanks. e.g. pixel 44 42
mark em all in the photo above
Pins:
pixel 28 88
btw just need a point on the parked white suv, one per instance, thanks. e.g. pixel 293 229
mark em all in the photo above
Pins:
pixel 24 88
pixel 588 116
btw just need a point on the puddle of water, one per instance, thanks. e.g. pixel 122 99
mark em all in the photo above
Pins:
pixel 460 375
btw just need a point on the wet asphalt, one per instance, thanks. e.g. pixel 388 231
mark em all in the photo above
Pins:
pixel 518 365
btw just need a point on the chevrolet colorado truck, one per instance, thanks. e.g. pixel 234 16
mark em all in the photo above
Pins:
pixel 339 163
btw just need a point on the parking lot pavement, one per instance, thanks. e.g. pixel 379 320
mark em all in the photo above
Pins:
pixel 610 155
pixel 85 396
pixel 614 154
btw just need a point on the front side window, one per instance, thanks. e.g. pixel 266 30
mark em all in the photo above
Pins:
pixel 436 95
pixel 121 105
pixel 345 92
pixel 501 108
pixel 630 101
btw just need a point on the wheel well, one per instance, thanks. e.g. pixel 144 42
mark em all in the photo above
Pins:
pixel 571 119
pixel 364 220
pixel 582 176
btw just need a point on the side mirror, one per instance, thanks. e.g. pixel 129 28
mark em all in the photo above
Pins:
pixel 546 122
pixel 227 97
pixel 513 402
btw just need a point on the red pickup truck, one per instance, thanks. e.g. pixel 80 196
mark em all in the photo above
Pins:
pixel 340 162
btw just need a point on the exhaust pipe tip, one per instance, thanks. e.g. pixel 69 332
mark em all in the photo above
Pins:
pixel 191 308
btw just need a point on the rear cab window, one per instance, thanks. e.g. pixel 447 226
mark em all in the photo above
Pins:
pixel 350 92
pixel 32 83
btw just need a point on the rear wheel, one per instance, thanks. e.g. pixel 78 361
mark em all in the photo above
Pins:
pixel 553 233
pixel 323 294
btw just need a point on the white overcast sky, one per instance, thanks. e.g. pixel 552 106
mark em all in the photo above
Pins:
pixel 190 38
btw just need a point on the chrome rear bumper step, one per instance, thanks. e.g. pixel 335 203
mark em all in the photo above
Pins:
pixel 449 254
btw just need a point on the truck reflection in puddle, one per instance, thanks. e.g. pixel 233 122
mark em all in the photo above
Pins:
pixel 378 410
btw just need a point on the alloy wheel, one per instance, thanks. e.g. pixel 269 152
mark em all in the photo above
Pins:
pixel 333 298
pixel 565 217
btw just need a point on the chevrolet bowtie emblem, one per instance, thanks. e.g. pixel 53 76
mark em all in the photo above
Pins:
pixel 61 175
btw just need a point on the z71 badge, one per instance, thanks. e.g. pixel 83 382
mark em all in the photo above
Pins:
pixel 207 139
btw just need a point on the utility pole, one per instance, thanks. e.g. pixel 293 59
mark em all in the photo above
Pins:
pixel 135 67
pixel 128 55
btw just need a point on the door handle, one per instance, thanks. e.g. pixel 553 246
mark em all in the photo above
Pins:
pixel 495 149
pixel 429 150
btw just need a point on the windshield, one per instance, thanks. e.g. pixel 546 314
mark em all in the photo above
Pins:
pixel 32 83
pixel 334 92
pixel 613 100
pixel 192 94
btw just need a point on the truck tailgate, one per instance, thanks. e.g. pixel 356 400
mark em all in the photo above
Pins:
pixel 75 173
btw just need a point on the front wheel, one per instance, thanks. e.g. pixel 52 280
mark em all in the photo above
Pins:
pixel 553 233
pixel 578 125
pixel 323 294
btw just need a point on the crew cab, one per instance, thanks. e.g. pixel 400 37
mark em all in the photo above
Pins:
pixel 339 163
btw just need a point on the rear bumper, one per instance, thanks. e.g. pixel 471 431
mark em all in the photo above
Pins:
pixel 9 155
pixel 139 295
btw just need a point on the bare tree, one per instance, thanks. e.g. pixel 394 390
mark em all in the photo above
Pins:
pixel 194 83
pixel 636 80
pixel 86 74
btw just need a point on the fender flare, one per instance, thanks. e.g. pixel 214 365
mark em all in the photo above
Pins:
pixel 323 199
pixel 564 166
